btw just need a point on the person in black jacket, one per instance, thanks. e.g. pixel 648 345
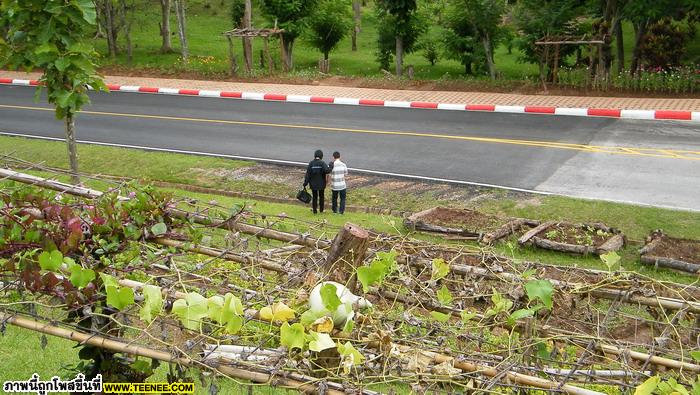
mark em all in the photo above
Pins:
pixel 316 177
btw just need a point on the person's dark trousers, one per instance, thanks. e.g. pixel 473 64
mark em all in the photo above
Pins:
pixel 317 199
pixel 342 194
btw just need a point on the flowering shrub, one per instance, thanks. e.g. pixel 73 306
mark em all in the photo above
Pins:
pixel 654 80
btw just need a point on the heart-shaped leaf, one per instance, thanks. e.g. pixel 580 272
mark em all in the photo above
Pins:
pixel 119 297
pixel 152 303
pixel 320 342
pixel 80 277
pixel 277 312
pixel 350 356
pixel 444 296
pixel 329 297
pixel 540 289
pixel 191 310
pixel 51 260
pixel 227 311
pixel 292 336
pixel 440 269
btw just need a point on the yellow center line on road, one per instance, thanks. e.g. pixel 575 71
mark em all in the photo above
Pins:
pixel 613 150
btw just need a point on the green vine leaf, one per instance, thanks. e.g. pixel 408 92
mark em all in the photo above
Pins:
pixel 51 260
pixel 191 310
pixel 329 297
pixel 80 277
pixel 440 269
pixel 277 312
pixel 444 296
pixel 542 290
pixel 648 387
pixel 159 229
pixel 310 316
pixel 374 273
pixel 109 280
pixel 152 303
pixel 439 317
pixel 227 311
pixel 320 342
pixel 611 260
pixel 467 316
pixel 500 304
pixel 350 356
pixel 119 297
pixel 695 355
pixel 292 336
pixel 520 314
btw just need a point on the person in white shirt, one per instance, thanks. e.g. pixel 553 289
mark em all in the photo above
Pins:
pixel 338 186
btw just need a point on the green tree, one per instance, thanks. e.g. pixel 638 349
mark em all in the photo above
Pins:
pixel 480 19
pixel 329 24
pixel 645 13
pixel 402 23
pixel 290 15
pixel 387 38
pixel 53 35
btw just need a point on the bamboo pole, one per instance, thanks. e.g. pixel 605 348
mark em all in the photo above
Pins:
pixel 122 347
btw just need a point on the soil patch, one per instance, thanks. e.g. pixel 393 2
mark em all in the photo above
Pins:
pixel 678 249
pixel 454 221
pixel 575 238
pixel 573 234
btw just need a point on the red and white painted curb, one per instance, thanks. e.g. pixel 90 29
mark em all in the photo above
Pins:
pixel 582 112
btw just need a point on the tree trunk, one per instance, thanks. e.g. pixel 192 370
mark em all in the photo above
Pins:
pixel 181 22
pixel 607 30
pixel 287 46
pixel 641 29
pixel 346 254
pixel 166 45
pixel 399 56
pixel 489 55
pixel 110 28
pixel 620 46
pixel 126 23
pixel 247 41
pixel 72 149
pixel 357 16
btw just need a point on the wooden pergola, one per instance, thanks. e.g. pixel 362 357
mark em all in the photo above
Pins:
pixel 558 41
pixel 251 32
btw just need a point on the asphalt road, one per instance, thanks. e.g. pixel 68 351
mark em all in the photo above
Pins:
pixel 643 162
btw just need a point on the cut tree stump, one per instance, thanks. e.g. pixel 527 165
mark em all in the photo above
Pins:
pixel 347 252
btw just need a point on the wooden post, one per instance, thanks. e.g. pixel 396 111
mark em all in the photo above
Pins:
pixel 555 69
pixel 232 57
pixel 267 55
pixel 346 254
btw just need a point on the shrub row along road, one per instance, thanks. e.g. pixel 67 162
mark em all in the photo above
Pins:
pixel 645 162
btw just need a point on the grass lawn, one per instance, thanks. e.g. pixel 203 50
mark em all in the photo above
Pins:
pixel 635 221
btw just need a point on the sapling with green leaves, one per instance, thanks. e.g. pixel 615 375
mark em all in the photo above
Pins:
pixel 54 36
